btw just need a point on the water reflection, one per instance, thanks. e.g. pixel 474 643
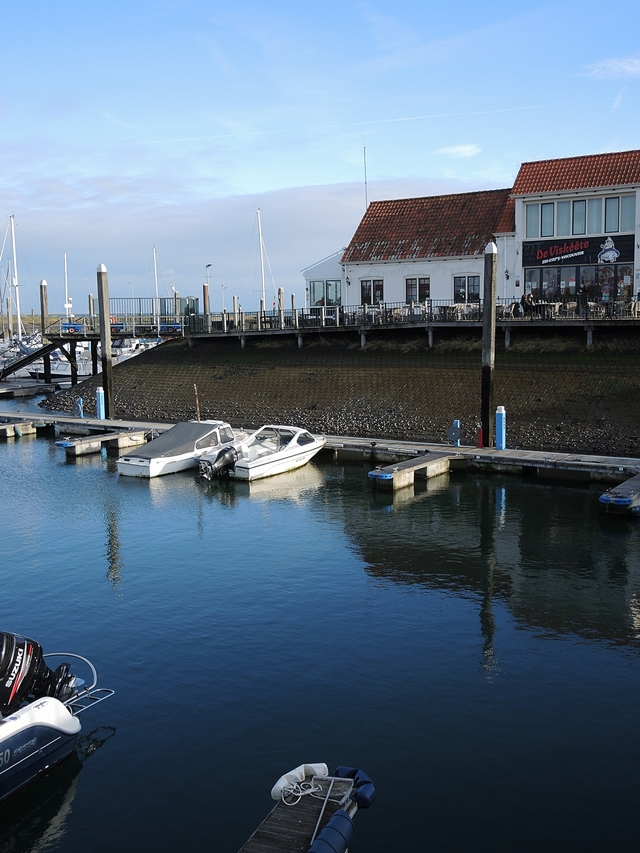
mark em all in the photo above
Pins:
pixel 542 548
pixel 115 560
pixel 36 818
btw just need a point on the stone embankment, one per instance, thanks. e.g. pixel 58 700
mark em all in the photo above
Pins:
pixel 558 395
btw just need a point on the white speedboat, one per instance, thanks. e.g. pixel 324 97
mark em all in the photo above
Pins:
pixel 271 450
pixel 177 449
pixel 39 710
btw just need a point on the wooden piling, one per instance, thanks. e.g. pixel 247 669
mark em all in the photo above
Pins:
pixel 105 339
pixel 488 341
pixel 44 313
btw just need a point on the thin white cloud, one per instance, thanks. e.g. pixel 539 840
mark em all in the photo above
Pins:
pixel 469 150
pixel 615 68
pixel 618 98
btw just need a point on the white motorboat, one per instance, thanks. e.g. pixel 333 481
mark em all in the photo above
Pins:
pixel 39 710
pixel 178 449
pixel 271 450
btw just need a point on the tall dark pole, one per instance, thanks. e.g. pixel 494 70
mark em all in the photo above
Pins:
pixel 44 316
pixel 105 339
pixel 488 341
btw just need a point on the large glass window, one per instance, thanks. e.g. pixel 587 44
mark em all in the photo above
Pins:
pixel 627 213
pixel 606 283
pixel 550 284
pixel 563 219
pixel 611 214
pixel 533 220
pixel 466 288
pixel 332 292
pixel 546 220
pixel 625 282
pixel 579 217
pixel 473 288
pixel 378 291
pixel 594 216
pixel 316 293
pixel 417 289
pixel 567 282
pixel 365 291
pixel 588 282
pixel 532 283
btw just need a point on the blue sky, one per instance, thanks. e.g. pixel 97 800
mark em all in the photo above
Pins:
pixel 132 124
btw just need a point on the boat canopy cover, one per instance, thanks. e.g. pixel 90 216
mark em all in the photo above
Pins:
pixel 180 439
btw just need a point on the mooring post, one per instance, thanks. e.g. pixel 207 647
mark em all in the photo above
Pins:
pixel 105 339
pixel 44 316
pixel 94 358
pixel 206 307
pixel 281 306
pixel 488 341
pixel 430 338
pixel 363 340
pixel 507 338
pixel 501 428
pixel 74 363
pixel 589 337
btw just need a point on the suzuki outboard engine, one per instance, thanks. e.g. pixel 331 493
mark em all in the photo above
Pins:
pixel 24 675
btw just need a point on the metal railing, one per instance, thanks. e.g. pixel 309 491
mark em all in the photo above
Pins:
pixel 384 315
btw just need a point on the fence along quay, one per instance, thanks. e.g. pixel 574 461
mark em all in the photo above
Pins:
pixel 397 464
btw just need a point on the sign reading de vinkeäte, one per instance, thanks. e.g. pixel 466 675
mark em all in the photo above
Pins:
pixel 574 251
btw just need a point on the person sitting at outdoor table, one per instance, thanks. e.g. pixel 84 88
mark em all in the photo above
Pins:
pixel 527 305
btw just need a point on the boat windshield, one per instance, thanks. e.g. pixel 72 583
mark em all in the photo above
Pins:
pixel 305 438
pixel 271 438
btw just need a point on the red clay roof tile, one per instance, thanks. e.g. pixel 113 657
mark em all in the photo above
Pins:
pixel 575 173
pixel 434 226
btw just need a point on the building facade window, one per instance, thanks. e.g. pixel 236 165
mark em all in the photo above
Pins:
pixel 610 215
pixel 466 288
pixel 604 283
pixel 326 292
pixel 417 289
pixel 371 291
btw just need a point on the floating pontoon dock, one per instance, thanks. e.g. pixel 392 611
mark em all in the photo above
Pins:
pixel 291 829
pixel 395 464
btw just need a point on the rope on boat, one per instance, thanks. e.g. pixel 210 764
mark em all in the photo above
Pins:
pixel 293 793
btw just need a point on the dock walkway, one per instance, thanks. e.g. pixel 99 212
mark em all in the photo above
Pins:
pixel 290 829
pixel 421 458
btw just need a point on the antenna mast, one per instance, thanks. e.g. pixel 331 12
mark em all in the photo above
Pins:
pixel 366 192
pixel 155 278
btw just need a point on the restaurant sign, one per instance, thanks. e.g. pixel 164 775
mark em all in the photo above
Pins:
pixel 579 250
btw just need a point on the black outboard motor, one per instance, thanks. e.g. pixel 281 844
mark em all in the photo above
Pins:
pixel 24 675
pixel 224 462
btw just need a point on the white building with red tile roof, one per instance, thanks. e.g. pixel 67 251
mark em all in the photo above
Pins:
pixel 566 231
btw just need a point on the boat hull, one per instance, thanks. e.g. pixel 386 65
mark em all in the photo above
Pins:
pixel 32 740
pixel 279 463
pixel 149 468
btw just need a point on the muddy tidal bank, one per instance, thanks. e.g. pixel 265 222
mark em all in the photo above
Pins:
pixel 558 395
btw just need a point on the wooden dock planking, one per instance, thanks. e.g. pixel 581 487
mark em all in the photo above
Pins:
pixel 289 829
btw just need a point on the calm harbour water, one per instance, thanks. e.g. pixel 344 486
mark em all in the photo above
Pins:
pixel 473 645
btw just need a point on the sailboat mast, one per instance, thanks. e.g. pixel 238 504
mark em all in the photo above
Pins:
pixel 264 304
pixel 67 304
pixel 15 276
